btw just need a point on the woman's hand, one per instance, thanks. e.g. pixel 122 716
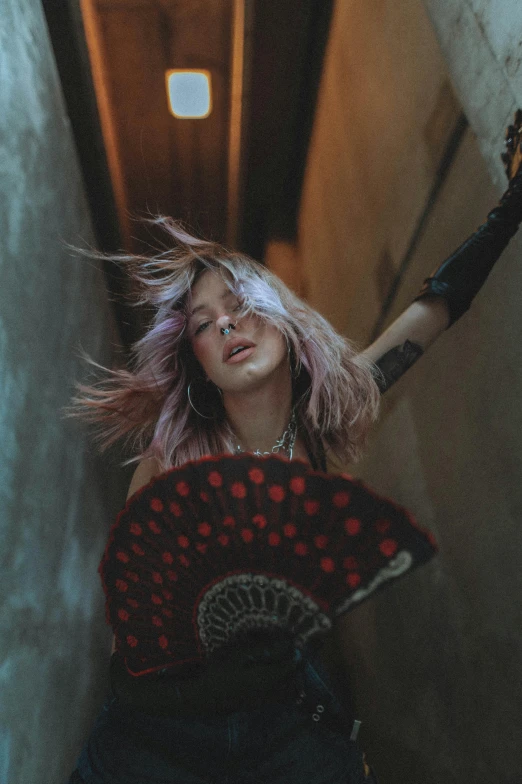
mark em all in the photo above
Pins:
pixel 512 157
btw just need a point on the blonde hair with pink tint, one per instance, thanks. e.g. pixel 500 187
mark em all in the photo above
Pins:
pixel 146 402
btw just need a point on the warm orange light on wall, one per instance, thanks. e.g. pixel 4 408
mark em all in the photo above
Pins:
pixel 189 93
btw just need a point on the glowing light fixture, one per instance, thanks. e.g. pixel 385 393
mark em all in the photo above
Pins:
pixel 189 93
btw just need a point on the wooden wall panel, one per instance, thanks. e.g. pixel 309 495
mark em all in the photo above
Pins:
pixel 169 165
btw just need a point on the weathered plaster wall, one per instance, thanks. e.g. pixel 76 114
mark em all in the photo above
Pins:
pixel 435 662
pixel 57 498
pixel 481 41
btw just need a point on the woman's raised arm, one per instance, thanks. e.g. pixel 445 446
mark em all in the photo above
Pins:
pixel 449 291
pixel 404 341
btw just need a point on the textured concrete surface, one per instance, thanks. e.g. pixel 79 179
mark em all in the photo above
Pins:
pixel 57 497
pixel 435 662
pixel 482 43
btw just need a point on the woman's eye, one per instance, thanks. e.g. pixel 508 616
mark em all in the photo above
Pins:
pixel 205 323
pixel 201 326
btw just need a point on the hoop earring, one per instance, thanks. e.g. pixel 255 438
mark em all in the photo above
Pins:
pixel 194 407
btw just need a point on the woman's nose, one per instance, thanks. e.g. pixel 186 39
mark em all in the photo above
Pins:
pixel 225 320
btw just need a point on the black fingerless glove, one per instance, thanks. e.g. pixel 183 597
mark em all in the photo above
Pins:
pixel 461 276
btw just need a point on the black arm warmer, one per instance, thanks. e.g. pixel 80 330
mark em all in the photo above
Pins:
pixel 462 275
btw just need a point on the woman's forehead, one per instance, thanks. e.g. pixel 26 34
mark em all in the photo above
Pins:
pixel 209 283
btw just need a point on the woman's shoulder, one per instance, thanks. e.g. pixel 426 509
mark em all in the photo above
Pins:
pixel 146 470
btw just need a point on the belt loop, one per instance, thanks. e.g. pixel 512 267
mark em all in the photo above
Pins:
pixel 310 698
pixel 322 706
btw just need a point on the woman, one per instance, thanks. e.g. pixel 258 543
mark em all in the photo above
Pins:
pixel 235 363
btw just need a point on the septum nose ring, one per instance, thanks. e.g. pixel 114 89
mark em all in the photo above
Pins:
pixel 226 331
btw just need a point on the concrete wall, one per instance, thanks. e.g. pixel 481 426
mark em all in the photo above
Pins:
pixel 57 496
pixel 435 662
pixel 481 41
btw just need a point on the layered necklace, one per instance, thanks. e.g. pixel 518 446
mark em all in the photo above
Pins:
pixel 285 443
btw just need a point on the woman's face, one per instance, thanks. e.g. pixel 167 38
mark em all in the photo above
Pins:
pixel 216 307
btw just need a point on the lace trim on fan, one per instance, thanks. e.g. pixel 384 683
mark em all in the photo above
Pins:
pixel 243 602
pixel 400 564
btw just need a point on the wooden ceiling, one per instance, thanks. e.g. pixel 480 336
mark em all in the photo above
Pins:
pixel 234 176
pixel 159 163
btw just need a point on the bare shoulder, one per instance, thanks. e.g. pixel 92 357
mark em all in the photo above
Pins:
pixel 146 470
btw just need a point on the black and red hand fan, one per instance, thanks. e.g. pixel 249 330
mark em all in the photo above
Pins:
pixel 226 544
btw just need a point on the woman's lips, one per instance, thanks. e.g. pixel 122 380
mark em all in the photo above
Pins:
pixel 240 356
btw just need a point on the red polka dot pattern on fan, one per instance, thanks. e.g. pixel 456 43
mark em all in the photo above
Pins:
pixel 312 507
pixel 238 490
pixel 276 493
pixel 341 499
pixel 388 547
pixel 256 476
pixel 327 564
pixel 183 489
pixel 352 526
pixel 327 537
pixel 290 530
pixel 297 485
pixel 353 579
pixel 382 525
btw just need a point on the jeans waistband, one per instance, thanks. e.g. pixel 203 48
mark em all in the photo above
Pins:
pixel 301 682
pixel 220 690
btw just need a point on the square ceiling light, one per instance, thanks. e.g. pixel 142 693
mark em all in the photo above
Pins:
pixel 189 93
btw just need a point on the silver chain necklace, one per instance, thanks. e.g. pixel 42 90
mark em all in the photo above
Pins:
pixel 286 441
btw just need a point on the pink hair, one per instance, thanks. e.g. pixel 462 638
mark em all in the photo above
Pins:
pixel 336 396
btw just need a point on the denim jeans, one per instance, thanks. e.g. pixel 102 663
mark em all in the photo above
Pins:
pixel 305 740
